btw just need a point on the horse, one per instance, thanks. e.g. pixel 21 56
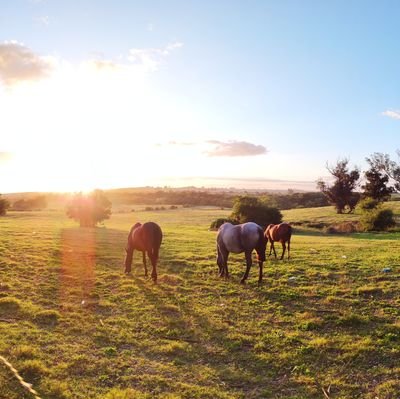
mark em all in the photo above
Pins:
pixel 240 238
pixel 145 237
pixel 279 232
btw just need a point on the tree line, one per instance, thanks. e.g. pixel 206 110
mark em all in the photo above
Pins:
pixel 381 180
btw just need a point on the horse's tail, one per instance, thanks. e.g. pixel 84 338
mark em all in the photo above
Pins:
pixel 156 243
pixel 261 246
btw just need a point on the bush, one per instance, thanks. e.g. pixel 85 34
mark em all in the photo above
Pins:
pixel 368 204
pixel 217 223
pixel 377 219
pixel 4 205
pixel 89 209
pixel 252 209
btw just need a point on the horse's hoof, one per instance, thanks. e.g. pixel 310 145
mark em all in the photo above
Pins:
pixel 242 281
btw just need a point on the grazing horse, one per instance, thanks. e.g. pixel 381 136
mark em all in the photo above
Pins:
pixel 145 237
pixel 240 238
pixel 281 233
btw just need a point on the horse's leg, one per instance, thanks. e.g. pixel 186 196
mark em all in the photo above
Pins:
pixel 226 273
pixel 260 275
pixel 144 263
pixel 273 248
pixel 248 265
pixel 153 255
pixel 128 260
pixel 288 249
pixel 222 260
pixel 284 249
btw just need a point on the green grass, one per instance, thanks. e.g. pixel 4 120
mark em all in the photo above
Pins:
pixel 76 327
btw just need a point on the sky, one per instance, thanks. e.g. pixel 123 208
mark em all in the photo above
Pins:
pixel 245 94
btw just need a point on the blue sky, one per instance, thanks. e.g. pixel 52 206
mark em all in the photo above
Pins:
pixel 246 94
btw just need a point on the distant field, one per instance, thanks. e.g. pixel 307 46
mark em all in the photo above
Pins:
pixel 325 324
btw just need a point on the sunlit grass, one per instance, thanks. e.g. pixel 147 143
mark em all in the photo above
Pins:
pixel 77 327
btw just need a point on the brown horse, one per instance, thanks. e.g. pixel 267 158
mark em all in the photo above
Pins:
pixel 281 233
pixel 145 237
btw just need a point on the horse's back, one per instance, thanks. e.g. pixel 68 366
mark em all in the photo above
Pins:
pixel 152 234
pixel 239 238
pixel 279 232
pixel 146 236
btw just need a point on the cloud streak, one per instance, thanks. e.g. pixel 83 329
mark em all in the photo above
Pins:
pixel 234 149
pixel 151 58
pixel 394 114
pixel 18 63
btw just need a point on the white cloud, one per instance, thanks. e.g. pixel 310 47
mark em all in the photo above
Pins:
pixel 395 114
pixel 234 149
pixel 42 20
pixel 151 58
pixel 18 63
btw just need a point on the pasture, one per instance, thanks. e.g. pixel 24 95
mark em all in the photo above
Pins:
pixel 323 325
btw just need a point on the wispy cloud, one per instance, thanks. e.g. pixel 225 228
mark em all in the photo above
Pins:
pixel 19 63
pixel 42 20
pixel 151 58
pixel 234 149
pixel 395 114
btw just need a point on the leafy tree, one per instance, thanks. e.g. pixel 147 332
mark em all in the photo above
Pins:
pixel 341 193
pixel 252 209
pixel 4 205
pixel 376 185
pixel 382 162
pixel 89 209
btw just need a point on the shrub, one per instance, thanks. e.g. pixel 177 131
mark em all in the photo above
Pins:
pixel 368 204
pixel 217 223
pixel 252 209
pixel 4 205
pixel 377 219
pixel 89 209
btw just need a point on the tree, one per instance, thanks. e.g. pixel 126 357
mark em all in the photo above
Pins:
pixel 391 169
pixel 341 193
pixel 89 209
pixel 4 205
pixel 376 185
pixel 251 209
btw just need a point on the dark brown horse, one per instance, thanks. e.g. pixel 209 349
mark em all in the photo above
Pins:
pixel 240 238
pixel 281 233
pixel 145 237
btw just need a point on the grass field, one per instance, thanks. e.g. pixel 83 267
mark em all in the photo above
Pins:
pixel 323 325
